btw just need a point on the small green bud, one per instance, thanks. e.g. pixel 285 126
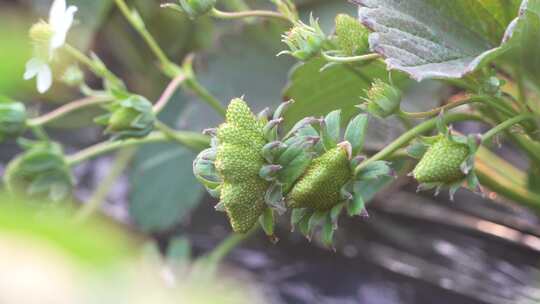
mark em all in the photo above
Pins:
pixel 304 41
pixel 382 99
pixel 351 35
pixel 42 169
pixel 12 118
pixel 129 117
pixel 196 8
pixel 320 186
pixel 442 162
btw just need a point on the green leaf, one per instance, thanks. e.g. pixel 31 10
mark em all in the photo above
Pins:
pixel 316 92
pixel 439 38
pixel 163 188
pixel 528 39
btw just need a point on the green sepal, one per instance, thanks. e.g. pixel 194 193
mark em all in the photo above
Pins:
pixel 303 225
pixel 269 172
pixel 220 207
pixel 306 121
pixel 282 108
pixel 297 215
pixel 272 150
pixel 335 212
pixel 356 206
pixel 204 169
pixel 356 132
pixel 327 233
pixel 274 198
pixel 315 220
pixel 374 170
pixel 330 129
pixel 267 222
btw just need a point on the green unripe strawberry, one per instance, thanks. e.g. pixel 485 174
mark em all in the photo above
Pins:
pixel 351 35
pixel 238 161
pixel 244 203
pixel 442 162
pixel 319 188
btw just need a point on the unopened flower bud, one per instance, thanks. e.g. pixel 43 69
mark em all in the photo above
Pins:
pixel 12 118
pixel 130 117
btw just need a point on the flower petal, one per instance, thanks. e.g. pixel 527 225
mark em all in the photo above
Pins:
pixel 44 79
pixel 32 68
pixel 60 31
pixel 56 14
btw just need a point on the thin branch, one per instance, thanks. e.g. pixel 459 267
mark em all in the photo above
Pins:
pixel 68 108
pixel 247 14
pixel 168 93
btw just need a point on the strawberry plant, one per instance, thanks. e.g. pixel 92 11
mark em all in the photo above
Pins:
pixel 310 158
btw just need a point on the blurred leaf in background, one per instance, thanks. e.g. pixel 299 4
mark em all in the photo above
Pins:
pixel 14 51
pixel 46 257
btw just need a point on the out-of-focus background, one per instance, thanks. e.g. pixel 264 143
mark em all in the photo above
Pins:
pixel 413 248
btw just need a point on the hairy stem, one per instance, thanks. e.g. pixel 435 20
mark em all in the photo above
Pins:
pixel 505 125
pixel 195 141
pixel 212 259
pixel 68 108
pixel 247 14
pixel 436 111
pixel 351 59
pixel 168 93
pixel 133 17
pixel 99 196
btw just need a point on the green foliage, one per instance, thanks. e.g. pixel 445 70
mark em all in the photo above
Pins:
pixel 443 47
pixel 163 189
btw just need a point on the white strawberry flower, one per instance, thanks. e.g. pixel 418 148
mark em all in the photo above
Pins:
pixel 53 34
